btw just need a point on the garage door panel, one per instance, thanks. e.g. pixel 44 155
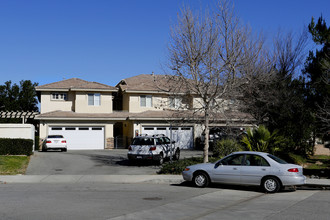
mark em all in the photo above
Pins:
pixel 183 136
pixel 81 138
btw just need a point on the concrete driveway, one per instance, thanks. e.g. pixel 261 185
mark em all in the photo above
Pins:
pixel 91 162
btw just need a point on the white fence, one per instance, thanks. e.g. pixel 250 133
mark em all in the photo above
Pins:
pixel 24 131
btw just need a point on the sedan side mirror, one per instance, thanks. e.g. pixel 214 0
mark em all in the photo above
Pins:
pixel 218 164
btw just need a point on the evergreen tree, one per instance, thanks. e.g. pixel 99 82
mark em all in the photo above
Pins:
pixel 317 69
pixel 21 97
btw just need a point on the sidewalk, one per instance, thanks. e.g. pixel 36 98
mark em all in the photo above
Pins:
pixel 125 179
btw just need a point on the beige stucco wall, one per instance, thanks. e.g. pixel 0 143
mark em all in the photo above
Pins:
pixel 43 129
pixel 48 105
pixel 197 102
pixel 131 102
pixel 224 104
pixel 81 103
pixel 77 101
pixel 126 102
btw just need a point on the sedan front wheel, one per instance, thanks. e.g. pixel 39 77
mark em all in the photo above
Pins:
pixel 201 179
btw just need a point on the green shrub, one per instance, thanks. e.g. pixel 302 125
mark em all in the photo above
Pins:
pixel 261 139
pixel 292 158
pixel 297 159
pixel 177 167
pixel 225 146
pixel 16 146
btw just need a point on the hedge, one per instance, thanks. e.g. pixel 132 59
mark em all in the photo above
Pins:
pixel 16 146
pixel 36 143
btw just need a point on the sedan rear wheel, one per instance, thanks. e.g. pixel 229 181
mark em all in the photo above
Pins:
pixel 201 179
pixel 270 185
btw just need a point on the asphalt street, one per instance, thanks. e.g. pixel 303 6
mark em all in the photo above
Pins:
pixel 156 201
pixel 103 185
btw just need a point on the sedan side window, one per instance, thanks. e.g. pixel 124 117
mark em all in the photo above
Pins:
pixel 235 160
pixel 255 160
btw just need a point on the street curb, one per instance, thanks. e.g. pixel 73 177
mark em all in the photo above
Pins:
pixel 124 179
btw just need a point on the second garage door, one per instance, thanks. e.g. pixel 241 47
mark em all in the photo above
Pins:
pixel 81 138
pixel 183 136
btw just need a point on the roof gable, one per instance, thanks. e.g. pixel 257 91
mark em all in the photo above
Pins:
pixel 150 83
pixel 75 84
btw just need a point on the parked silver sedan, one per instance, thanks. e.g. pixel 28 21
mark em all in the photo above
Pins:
pixel 247 168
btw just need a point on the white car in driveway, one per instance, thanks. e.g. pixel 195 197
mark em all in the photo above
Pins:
pixel 247 168
pixel 156 148
pixel 54 142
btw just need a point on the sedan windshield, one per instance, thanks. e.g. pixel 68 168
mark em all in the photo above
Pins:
pixel 278 160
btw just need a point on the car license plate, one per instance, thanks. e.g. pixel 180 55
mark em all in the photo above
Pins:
pixel 138 157
pixel 56 141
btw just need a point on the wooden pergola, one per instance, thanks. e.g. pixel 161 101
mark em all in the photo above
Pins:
pixel 23 115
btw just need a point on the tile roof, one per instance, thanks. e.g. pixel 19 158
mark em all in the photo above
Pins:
pixel 76 84
pixel 150 83
pixel 165 115
pixel 116 115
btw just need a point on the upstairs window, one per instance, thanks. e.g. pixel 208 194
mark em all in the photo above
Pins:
pixel 175 102
pixel 59 96
pixel 146 101
pixel 94 99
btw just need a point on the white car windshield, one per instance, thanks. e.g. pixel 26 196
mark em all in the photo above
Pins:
pixel 143 141
pixel 55 136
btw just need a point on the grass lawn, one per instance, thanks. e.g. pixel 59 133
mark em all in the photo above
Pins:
pixel 318 162
pixel 319 166
pixel 12 165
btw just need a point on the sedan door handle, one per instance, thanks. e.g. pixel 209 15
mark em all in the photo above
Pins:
pixel 263 169
pixel 235 168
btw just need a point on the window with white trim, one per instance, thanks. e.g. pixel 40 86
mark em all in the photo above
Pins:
pixel 59 96
pixel 175 102
pixel 146 101
pixel 94 99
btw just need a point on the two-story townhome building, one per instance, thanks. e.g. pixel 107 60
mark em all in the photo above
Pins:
pixel 92 115
pixel 151 107
pixel 78 109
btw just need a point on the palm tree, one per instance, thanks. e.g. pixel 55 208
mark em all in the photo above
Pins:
pixel 261 139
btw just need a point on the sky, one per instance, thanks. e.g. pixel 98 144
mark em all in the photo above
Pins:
pixel 105 41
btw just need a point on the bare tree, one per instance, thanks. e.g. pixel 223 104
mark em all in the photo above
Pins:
pixel 268 90
pixel 211 56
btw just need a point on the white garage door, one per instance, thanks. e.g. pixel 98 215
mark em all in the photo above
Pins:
pixel 183 136
pixel 81 138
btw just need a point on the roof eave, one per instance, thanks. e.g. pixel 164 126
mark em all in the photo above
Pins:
pixel 93 90
pixel 52 90
pixel 79 119
pixel 153 92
